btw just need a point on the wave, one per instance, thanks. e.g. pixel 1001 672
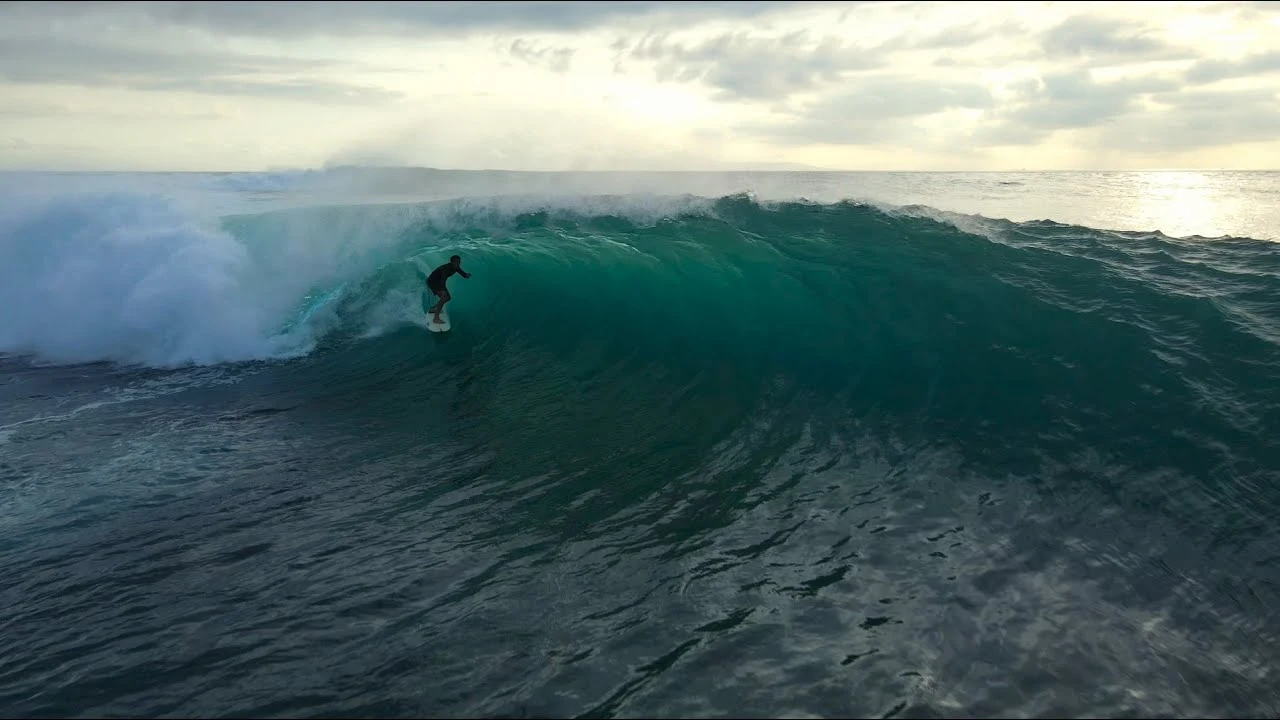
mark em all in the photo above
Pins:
pixel 630 338
pixel 836 288
pixel 720 391
pixel 626 345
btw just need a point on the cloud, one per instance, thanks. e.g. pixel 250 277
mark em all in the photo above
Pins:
pixel 1083 36
pixel 1266 6
pixel 320 92
pixel 14 108
pixel 556 59
pixel 416 19
pixel 742 67
pixel 1197 119
pixel 1063 101
pixel 835 84
pixel 549 138
pixel 1207 71
pixel 956 37
pixel 36 61
pixel 876 109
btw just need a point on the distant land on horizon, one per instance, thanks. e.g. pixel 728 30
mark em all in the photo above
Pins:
pixel 758 168
pixel 728 167
pixel 771 167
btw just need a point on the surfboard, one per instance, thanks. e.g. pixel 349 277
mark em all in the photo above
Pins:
pixel 442 326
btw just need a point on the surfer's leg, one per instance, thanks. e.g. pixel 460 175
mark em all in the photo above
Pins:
pixel 443 296
pixel 439 308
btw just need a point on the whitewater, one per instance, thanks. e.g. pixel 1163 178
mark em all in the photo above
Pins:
pixel 698 444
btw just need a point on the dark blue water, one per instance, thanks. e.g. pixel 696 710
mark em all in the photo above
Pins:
pixel 796 459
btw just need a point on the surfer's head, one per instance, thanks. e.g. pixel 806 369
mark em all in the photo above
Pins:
pixel 456 260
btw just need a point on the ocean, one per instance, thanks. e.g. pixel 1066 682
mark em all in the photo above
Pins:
pixel 698 445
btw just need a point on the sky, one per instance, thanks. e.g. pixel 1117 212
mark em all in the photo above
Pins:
pixel 247 86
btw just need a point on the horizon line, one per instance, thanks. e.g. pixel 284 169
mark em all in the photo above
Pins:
pixel 811 170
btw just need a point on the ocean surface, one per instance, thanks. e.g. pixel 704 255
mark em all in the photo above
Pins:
pixel 698 444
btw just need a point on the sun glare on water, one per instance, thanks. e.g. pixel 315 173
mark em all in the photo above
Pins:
pixel 1181 203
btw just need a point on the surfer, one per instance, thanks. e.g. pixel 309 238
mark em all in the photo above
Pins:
pixel 436 284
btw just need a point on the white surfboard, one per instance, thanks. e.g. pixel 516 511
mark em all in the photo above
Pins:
pixel 442 326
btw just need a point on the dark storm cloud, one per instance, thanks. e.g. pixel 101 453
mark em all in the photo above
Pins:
pixel 743 67
pixel 874 110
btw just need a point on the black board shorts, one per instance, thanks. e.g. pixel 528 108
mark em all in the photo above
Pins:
pixel 435 287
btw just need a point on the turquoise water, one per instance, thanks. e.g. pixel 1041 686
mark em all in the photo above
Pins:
pixel 679 456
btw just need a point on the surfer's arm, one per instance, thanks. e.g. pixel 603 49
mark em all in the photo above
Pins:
pixel 464 273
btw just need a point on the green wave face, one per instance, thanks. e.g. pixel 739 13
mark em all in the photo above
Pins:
pixel 641 343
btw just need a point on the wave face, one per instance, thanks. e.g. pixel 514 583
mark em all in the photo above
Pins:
pixel 1017 342
pixel 812 440
pixel 920 317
